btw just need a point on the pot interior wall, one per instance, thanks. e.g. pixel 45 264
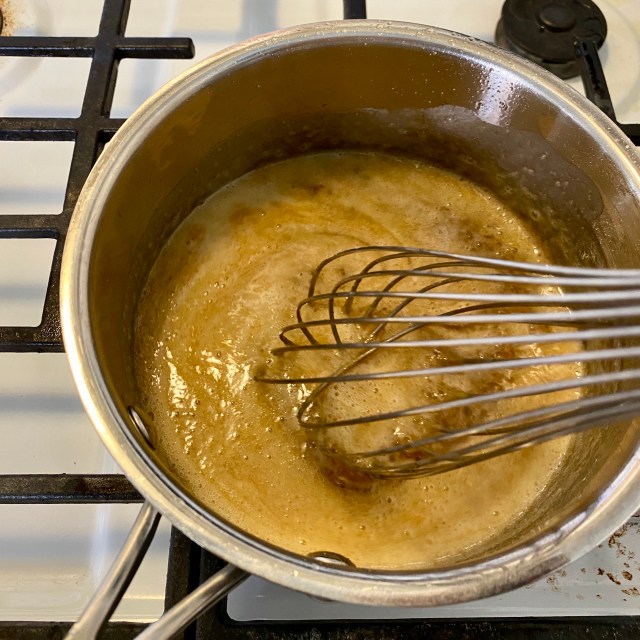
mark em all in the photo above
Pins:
pixel 487 123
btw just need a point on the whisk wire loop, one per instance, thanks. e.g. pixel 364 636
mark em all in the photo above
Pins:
pixel 562 340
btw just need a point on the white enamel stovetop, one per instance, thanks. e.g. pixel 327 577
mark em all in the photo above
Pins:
pixel 52 557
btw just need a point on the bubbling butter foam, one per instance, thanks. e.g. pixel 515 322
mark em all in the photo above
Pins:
pixel 227 282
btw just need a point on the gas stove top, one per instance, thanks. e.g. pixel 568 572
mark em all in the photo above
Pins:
pixel 61 528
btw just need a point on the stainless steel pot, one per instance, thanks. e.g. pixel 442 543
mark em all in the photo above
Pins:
pixel 362 84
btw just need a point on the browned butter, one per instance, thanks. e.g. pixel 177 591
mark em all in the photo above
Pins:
pixel 219 293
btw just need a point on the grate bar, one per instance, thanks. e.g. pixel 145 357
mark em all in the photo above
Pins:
pixel 50 328
pixel 144 48
pixel 10 630
pixel 612 628
pixel 632 131
pixel 47 46
pixel 29 226
pixel 53 129
pixel 183 575
pixel 354 9
pixel 595 86
pixel 66 489
pixel 45 338
pixel 77 47
pixel 30 129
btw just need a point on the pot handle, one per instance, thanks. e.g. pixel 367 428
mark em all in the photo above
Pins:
pixel 124 567
pixel 197 602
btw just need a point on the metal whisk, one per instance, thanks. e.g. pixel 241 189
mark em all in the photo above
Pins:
pixel 456 359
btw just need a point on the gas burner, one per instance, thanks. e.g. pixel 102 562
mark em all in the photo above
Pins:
pixel 547 32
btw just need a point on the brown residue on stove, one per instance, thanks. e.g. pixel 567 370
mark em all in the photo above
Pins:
pixel 563 573
pixel 613 578
pixel 600 571
pixel 7 18
pixel 552 581
pixel 632 591
pixel 616 543
pixel 583 570
pixel 627 575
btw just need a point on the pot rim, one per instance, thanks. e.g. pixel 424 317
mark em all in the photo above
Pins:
pixel 400 588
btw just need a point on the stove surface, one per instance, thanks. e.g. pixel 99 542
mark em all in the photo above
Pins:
pixel 53 556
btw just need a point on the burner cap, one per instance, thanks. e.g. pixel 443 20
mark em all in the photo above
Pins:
pixel 545 31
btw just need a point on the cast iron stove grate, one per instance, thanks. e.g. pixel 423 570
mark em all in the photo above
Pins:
pixel 89 132
pixel 189 564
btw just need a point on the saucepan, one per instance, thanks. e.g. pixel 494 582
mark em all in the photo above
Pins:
pixel 405 88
